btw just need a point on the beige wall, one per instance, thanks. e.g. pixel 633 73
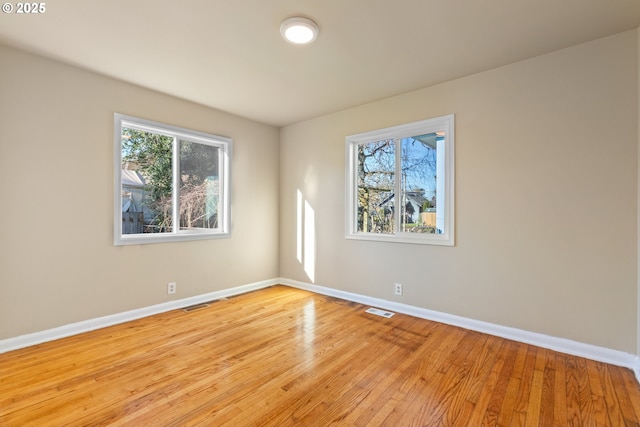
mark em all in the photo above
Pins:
pixel 57 261
pixel 542 145
pixel 546 197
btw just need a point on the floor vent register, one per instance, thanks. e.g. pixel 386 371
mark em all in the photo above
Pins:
pixel 379 312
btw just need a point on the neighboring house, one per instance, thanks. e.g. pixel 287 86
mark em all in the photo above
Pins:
pixel 413 206
pixel 414 213
pixel 133 211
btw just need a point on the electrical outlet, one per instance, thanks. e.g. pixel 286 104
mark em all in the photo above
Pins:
pixel 398 289
pixel 171 288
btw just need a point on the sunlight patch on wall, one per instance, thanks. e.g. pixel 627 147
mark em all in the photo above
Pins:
pixel 299 227
pixel 309 241
pixel 306 236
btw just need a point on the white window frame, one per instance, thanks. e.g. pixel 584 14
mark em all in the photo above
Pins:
pixel 445 182
pixel 224 212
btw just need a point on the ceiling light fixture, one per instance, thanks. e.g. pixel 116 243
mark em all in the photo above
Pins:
pixel 299 30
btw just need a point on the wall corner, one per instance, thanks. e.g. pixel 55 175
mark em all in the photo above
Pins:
pixel 637 366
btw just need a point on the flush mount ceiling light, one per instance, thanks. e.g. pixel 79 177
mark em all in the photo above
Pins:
pixel 299 30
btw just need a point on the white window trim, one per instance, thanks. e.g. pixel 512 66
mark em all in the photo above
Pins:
pixel 445 123
pixel 224 215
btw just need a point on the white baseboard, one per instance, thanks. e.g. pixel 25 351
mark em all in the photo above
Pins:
pixel 562 345
pixel 114 319
pixel 589 351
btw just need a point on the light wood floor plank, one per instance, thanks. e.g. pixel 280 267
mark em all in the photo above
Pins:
pixel 560 407
pixel 287 357
pixel 532 410
pixel 547 404
pixel 489 387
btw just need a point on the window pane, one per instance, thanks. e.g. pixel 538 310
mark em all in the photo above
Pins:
pixel 375 181
pixel 199 185
pixel 146 182
pixel 400 183
pixel 419 189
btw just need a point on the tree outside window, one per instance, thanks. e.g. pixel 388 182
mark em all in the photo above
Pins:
pixel 400 183
pixel 183 181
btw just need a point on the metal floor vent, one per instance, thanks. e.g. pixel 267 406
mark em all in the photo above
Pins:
pixel 379 312
pixel 195 307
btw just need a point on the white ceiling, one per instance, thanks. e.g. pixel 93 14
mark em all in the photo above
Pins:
pixel 228 54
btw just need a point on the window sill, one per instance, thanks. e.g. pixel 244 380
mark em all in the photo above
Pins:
pixel 411 238
pixel 169 237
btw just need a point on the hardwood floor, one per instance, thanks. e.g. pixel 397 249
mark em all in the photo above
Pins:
pixel 286 357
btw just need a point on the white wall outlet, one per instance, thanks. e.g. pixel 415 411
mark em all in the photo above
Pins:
pixel 398 288
pixel 171 288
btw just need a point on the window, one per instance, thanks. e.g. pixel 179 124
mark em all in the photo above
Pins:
pixel 400 183
pixel 170 183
